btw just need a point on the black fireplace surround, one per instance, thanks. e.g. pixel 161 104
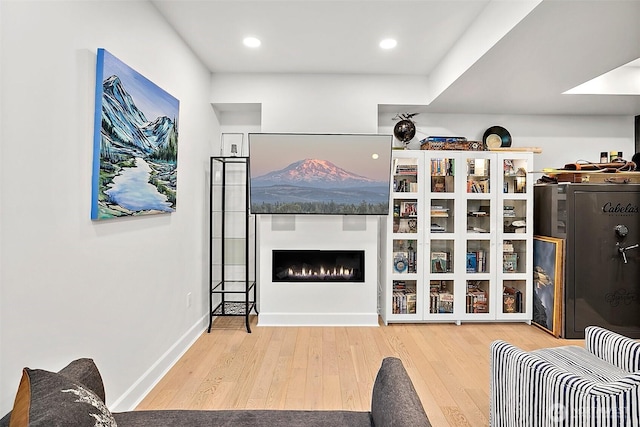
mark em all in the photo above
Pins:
pixel 318 266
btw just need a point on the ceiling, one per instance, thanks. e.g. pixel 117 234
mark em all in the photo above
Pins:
pixel 478 56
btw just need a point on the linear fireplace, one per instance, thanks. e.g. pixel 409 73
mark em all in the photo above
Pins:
pixel 318 266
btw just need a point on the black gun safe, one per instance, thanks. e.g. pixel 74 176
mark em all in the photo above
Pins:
pixel 601 227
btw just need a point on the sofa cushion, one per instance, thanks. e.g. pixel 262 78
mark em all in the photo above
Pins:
pixel 51 399
pixel 86 372
pixel 82 370
pixel 242 418
pixel 395 401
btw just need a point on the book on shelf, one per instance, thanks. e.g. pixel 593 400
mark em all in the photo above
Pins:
pixel 509 262
pixel 433 302
pixel 437 228
pixel 411 258
pixel 445 302
pixel 411 302
pixel 476 300
pixel 472 262
pixel 439 211
pixel 478 186
pixel 476 261
pixel 435 138
pixel 511 300
pixel 404 185
pixel 440 262
pixel 438 184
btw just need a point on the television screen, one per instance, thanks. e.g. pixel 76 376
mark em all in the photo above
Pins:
pixel 325 174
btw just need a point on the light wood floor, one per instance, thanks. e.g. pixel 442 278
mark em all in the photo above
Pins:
pixel 334 367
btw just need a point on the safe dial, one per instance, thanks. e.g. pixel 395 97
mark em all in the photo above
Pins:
pixel 621 230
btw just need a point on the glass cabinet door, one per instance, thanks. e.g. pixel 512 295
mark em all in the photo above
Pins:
pixel 515 234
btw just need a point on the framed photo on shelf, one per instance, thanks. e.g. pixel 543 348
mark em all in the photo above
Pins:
pixel 548 274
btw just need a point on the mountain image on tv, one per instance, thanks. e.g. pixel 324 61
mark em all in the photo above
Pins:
pixel 320 187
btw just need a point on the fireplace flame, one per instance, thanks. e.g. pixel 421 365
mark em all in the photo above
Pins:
pixel 322 272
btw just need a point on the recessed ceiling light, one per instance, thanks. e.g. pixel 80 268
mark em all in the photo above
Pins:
pixel 251 42
pixel 388 43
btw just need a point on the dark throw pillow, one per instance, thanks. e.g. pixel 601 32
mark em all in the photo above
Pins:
pixel 53 400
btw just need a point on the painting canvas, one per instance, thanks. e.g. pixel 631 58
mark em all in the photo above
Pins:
pixel 323 174
pixel 548 264
pixel 135 148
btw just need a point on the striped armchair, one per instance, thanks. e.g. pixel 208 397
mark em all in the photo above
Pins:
pixel 598 385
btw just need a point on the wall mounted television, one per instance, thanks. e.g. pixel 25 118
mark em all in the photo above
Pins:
pixel 323 174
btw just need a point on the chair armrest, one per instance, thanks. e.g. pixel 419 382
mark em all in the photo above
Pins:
pixel 527 390
pixel 613 348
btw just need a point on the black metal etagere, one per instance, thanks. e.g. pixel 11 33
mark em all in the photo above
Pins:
pixel 235 290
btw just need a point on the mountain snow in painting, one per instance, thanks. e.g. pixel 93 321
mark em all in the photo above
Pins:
pixel 135 143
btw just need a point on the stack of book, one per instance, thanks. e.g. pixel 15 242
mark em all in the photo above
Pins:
pixel 404 298
pixel 476 299
pixel 508 211
pixel 439 211
pixel 405 168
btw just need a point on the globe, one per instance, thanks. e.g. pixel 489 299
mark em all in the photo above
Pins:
pixel 404 130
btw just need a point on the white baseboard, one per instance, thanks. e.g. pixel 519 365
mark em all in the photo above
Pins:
pixel 143 385
pixel 318 319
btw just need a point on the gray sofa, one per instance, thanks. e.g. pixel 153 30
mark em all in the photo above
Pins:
pixel 75 396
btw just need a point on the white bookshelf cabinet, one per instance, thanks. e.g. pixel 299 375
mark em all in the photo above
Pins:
pixel 458 246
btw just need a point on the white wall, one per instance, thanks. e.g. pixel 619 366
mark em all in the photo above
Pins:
pixel 113 290
pixel 318 103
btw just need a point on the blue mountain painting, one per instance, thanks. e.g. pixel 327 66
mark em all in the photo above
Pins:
pixel 135 143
